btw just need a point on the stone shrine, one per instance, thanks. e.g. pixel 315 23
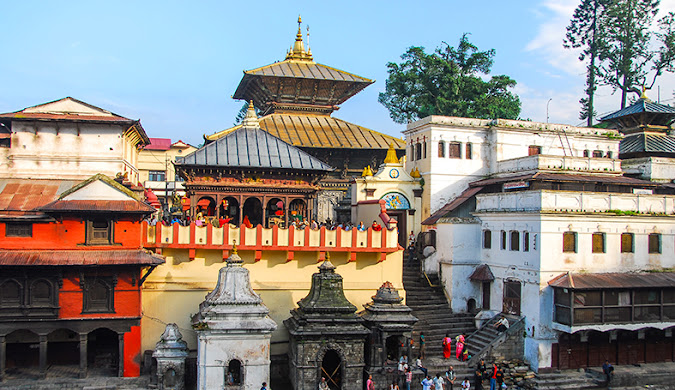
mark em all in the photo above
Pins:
pixel 327 338
pixel 233 330
pixel 390 323
pixel 171 352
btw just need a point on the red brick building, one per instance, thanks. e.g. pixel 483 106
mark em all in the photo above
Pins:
pixel 71 270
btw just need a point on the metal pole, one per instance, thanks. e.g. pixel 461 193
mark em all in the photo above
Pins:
pixel 547 103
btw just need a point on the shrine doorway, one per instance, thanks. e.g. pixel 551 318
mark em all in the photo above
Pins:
pixel 63 351
pixel 253 211
pixel 22 354
pixel 275 213
pixel 229 208
pixel 103 352
pixel 331 369
pixel 393 348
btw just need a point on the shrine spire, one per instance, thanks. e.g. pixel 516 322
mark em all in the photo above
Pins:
pixel 298 52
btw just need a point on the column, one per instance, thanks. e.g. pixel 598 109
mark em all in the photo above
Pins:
pixel 3 356
pixel 43 356
pixel 83 355
pixel 120 359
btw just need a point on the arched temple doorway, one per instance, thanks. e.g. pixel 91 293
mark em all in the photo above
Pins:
pixel 229 208
pixel 331 369
pixel 63 349
pixel 253 211
pixel 275 213
pixel 297 210
pixel 103 352
pixel 207 206
pixel 22 351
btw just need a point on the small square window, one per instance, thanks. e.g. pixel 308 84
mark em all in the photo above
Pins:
pixel 454 150
pixel 18 229
pixel 655 243
pixel 99 232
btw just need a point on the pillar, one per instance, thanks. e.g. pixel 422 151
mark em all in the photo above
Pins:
pixel 83 355
pixel 43 356
pixel 120 358
pixel 3 357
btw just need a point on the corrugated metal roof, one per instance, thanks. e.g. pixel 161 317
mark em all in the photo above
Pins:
pixel 307 70
pixel 320 131
pixel 482 273
pixel 159 144
pixel 78 257
pixel 566 177
pixel 19 195
pixel 642 105
pixel 120 206
pixel 614 280
pixel 254 148
pixel 647 143
pixel 463 197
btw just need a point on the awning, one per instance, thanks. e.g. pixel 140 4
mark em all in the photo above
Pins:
pixel 613 280
pixel 204 202
pixel 482 273
pixel 463 197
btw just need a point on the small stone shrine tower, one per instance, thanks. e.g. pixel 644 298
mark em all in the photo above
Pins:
pixel 171 352
pixel 233 330
pixel 390 323
pixel 327 338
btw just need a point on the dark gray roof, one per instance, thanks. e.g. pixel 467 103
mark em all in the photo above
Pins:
pixel 642 105
pixel 647 143
pixel 252 148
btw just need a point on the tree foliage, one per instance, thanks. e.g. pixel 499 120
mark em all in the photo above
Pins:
pixel 448 82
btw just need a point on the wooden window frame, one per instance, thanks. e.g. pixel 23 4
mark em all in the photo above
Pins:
pixel 624 245
pixel 455 150
pixel 533 150
pixel 91 230
pixel 89 306
pixel 575 241
pixel 18 229
pixel 654 243
pixel 469 151
pixel 441 149
pixel 598 242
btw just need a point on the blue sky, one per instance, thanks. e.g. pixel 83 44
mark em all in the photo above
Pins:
pixel 175 64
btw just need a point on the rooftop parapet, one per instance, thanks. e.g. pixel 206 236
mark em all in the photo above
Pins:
pixel 543 162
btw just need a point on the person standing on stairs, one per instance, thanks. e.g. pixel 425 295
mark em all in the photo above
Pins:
pixel 426 383
pixel 478 379
pixel 493 377
pixel 408 378
pixel 447 346
pixel 423 346
pixel 450 378
pixel 459 346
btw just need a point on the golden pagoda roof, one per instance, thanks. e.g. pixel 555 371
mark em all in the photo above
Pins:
pixel 319 131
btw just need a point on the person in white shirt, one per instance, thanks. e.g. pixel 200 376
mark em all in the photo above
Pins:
pixel 466 385
pixel 438 382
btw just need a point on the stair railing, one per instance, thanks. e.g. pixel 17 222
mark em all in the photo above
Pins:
pixel 487 350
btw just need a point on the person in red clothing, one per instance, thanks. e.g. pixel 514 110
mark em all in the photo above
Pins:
pixel 376 226
pixel 493 377
pixel 370 385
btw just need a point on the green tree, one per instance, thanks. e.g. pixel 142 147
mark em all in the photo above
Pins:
pixel 584 32
pixel 448 82
pixel 633 54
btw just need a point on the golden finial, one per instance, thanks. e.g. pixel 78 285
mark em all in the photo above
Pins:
pixel 234 247
pixel 415 173
pixel 251 119
pixel 367 171
pixel 297 51
pixel 644 93
pixel 391 155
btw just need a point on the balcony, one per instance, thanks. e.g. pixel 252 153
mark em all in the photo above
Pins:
pixel 542 162
pixel 575 201
pixel 260 239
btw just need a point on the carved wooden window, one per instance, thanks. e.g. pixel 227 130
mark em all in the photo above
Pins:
pixel 441 149
pixel 10 294
pixel 469 151
pixel 533 150
pixel 99 232
pixel 655 243
pixel 515 240
pixel 627 243
pixel 570 242
pixel 454 149
pixel 487 239
pixel 99 295
pixel 598 243
pixel 41 293
pixel 18 229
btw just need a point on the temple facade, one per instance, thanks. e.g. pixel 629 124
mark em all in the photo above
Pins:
pixel 296 98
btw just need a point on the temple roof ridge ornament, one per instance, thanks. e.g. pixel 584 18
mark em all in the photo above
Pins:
pixel 251 118
pixel 297 51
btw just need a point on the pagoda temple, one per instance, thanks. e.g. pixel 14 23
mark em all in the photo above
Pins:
pixel 296 98
pixel 648 148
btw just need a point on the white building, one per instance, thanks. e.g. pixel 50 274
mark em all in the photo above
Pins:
pixel 530 212
pixel 69 139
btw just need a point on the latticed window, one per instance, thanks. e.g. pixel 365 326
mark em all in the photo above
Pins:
pixel 441 149
pixel 98 295
pixel 99 232
pixel 454 149
pixel 570 242
pixel 598 243
pixel 41 292
pixel 655 243
pixel 19 229
pixel 10 293
pixel 627 243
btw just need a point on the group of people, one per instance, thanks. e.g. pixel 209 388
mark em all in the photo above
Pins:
pixel 461 353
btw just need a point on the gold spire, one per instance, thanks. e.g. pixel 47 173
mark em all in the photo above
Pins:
pixel 644 94
pixel 391 155
pixel 251 119
pixel 298 52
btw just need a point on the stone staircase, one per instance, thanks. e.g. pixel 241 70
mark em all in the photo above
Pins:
pixel 429 304
pixel 487 336
pixel 568 379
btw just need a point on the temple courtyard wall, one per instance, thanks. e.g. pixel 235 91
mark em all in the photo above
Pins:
pixel 174 290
